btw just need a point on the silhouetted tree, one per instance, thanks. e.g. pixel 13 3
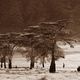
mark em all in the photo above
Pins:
pixel 53 32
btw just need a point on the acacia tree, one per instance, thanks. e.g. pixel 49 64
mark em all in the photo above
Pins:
pixel 4 48
pixel 56 32
pixel 12 43
pixel 28 40
pixel 53 32
pixel 8 43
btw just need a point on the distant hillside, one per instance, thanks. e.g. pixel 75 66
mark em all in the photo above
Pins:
pixel 15 15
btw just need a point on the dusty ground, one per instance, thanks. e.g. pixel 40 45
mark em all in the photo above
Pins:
pixel 24 74
pixel 71 61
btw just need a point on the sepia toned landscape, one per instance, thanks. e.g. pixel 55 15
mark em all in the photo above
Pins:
pixel 39 40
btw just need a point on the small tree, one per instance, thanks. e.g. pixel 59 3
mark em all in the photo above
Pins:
pixel 12 43
pixel 8 44
pixel 28 40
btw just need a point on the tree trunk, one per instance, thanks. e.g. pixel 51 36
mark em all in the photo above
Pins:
pixel 10 64
pixel 4 62
pixel 32 63
pixel 43 60
pixel 1 62
pixel 53 65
